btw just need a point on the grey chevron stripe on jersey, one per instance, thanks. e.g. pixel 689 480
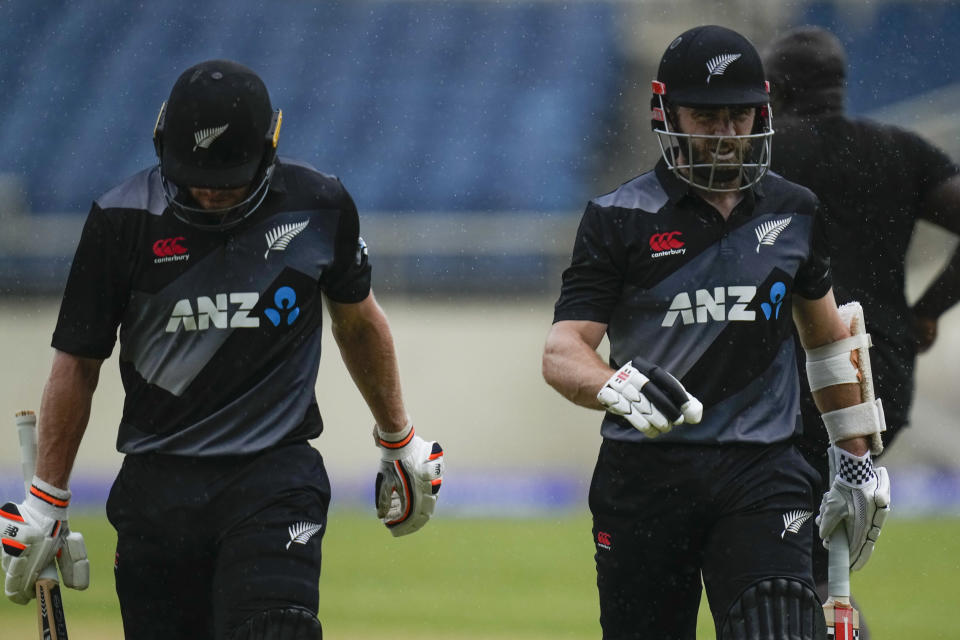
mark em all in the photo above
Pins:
pixel 142 191
pixel 172 360
pixel 240 426
pixel 645 193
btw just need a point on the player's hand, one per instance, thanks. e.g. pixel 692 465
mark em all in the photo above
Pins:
pixel 859 497
pixel 651 399
pixel 411 471
pixel 924 331
pixel 32 533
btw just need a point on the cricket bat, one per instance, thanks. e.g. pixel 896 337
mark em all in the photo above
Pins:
pixel 843 621
pixel 51 623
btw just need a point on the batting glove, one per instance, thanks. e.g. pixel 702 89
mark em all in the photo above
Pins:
pixel 410 475
pixel 859 497
pixel 651 400
pixel 32 535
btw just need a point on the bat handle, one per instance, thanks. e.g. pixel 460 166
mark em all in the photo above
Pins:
pixel 26 422
pixel 838 556
pixel 838 566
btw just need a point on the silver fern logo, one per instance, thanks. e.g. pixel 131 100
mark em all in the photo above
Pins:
pixel 793 520
pixel 718 65
pixel 279 237
pixel 205 137
pixel 768 232
pixel 301 532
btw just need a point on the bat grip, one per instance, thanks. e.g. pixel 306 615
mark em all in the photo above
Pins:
pixel 838 556
pixel 838 565
pixel 26 423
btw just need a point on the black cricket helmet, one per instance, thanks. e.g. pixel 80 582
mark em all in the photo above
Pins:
pixel 217 130
pixel 704 67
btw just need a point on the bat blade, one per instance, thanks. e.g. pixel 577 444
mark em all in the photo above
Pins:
pixel 51 622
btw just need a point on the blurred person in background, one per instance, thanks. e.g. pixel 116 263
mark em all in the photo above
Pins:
pixel 212 266
pixel 874 182
pixel 697 272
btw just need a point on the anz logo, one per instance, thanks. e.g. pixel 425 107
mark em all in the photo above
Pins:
pixel 232 311
pixel 723 304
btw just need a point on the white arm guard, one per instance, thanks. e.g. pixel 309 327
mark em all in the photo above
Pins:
pixel 848 361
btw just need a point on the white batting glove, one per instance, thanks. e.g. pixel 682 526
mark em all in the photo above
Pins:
pixel 858 496
pixel 651 400
pixel 410 475
pixel 32 533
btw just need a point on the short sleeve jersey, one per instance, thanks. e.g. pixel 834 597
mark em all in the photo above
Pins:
pixel 707 299
pixel 220 331
pixel 872 181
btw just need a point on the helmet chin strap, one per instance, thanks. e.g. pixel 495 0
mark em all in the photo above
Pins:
pixel 199 216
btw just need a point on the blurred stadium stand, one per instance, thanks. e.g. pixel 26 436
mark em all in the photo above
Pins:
pixel 417 106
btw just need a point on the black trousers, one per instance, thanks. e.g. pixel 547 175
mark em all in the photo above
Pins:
pixel 666 516
pixel 205 543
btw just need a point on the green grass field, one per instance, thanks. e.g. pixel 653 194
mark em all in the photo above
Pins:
pixel 512 578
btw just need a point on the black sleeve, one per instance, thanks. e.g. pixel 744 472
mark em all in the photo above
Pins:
pixel 814 278
pixel 97 290
pixel 594 280
pixel 348 280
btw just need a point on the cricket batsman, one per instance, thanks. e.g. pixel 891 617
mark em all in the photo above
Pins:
pixel 698 271
pixel 214 265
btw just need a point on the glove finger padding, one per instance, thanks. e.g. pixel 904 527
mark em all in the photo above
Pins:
pixel 73 562
pixel 407 483
pixel 649 398
pixel 860 497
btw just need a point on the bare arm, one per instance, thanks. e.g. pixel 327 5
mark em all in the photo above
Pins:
pixel 366 346
pixel 571 364
pixel 818 323
pixel 64 414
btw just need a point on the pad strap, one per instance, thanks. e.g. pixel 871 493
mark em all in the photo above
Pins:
pixel 831 364
pixel 860 420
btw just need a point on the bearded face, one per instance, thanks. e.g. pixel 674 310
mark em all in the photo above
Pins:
pixel 713 147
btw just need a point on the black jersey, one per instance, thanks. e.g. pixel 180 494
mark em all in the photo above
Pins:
pixel 219 330
pixel 872 180
pixel 709 300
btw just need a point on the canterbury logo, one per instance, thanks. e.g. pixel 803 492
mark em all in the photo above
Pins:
pixel 793 520
pixel 768 232
pixel 665 241
pixel 205 137
pixel 169 247
pixel 279 237
pixel 301 532
pixel 718 65
pixel 604 540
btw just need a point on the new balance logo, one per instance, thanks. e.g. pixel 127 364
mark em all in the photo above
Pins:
pixel 768 232
pixel 279 237
pixel 666 244
pixel 718 65
pixel 205 137
pixel 301 532
pixel 11 531
pixel 793 520
pixel 712 305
